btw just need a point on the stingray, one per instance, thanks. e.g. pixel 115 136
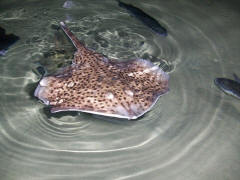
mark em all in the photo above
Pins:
pixel 99 85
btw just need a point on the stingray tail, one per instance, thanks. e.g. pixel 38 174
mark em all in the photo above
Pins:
pixel 71 36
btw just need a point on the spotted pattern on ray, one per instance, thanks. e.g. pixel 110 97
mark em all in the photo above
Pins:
pixel 98 85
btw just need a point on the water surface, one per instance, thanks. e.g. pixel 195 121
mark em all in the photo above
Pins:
pixel 191 133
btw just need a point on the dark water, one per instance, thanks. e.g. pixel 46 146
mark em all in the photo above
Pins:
pixel 192 133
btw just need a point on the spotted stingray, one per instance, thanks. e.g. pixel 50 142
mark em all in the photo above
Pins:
pixel 99 85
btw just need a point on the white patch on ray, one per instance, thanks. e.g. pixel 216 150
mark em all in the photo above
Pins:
pixel 109 95
pixel 121 110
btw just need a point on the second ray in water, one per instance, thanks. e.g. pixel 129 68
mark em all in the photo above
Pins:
pixel 144 18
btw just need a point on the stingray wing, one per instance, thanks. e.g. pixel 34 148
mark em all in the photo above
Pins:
pixel 124 90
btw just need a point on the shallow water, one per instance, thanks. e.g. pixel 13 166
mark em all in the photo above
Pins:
pixel 192 133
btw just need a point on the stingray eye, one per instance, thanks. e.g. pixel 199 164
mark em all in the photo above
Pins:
pixel 114 78
pixel 70 84
pixel 129 93
pixel 100 78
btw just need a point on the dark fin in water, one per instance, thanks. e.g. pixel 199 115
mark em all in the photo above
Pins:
pixel 236 77
pixel 144 18
pixel 228 86
pixel 6 40
pixel 39 70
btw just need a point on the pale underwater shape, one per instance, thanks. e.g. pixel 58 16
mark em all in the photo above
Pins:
pixel 3 52
pixel 68 4
pixel 98 85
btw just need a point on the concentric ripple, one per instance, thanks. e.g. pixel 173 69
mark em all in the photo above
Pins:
pixel 191 133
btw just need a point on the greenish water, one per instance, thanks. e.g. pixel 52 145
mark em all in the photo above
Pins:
pixel 192 133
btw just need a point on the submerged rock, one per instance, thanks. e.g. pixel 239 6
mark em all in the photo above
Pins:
pixel 6 40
